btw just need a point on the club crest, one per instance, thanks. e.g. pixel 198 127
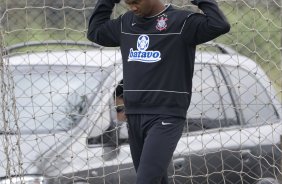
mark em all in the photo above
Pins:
pixel 161 22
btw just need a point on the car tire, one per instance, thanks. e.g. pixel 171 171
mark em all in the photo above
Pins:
pixel 268 181
pixel 79 182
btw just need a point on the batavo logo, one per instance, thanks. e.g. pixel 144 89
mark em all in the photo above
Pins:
pixel 142 54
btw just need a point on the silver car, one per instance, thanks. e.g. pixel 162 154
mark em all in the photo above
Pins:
pixel 61 131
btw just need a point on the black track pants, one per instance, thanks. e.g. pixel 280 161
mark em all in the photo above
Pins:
pixel 153 139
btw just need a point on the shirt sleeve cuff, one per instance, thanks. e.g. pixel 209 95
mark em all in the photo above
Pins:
pixel 198 2
pixel 115 1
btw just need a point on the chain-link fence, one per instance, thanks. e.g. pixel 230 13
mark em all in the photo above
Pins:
pixel 59 122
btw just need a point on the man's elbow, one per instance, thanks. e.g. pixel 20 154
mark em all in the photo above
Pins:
pixel 221 28
pixel 225 28
pixel 91 36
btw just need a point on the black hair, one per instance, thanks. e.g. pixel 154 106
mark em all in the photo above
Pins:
pixel 119 90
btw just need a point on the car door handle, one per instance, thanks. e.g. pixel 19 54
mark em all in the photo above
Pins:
pixel 178 164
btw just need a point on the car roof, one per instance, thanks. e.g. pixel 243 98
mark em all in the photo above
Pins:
pixel 235 60
pixel 109 56
pixel 104 57
pixel 95 57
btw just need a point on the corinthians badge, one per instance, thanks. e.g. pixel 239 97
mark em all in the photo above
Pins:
pixel 161 22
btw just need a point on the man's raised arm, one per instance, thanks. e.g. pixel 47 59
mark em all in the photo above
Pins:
pixel 101 29
pixel 200 28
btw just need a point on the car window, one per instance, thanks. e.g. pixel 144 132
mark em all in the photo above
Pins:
pixel 53 98
pixel 211 104
pixel 252 96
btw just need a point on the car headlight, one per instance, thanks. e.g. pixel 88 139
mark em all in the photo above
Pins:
pixel 24 179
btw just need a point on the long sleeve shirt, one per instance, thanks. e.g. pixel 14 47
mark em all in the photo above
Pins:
pixel 158 52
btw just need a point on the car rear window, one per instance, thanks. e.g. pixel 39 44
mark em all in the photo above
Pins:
pixel 211 104
pixel 252 97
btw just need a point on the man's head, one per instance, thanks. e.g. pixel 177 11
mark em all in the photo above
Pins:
pixel 145 8
pixel 118 96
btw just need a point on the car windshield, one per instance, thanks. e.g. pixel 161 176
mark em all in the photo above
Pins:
pixel 53 98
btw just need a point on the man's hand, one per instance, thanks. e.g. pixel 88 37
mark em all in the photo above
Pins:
pixel 116 1
pixel 194 2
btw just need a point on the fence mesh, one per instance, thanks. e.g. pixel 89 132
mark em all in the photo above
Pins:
pixel 59 123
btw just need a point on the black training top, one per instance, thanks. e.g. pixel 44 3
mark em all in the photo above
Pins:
pixel 158 52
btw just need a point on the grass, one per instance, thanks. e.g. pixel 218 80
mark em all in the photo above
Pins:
pixel 257 33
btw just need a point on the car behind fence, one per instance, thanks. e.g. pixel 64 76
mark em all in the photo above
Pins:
pixel 58 121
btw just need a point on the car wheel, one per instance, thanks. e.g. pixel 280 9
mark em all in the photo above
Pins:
pixel 268 181
pixel 79 182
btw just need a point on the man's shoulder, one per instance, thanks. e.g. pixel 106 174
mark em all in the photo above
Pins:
pixel 178 15
pixel 179 11
pixel 172 11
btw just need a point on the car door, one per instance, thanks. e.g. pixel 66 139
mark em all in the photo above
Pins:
pixel 260 122
pixel 114 163
pixel 208 151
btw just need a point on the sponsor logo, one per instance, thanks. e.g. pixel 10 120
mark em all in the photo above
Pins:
pixel 142 54
pixel 161 22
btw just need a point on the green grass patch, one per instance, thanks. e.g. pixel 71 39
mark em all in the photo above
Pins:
pixel 256 33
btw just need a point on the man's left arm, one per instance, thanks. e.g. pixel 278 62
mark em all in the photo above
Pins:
pixel 200 28
pixel 101 29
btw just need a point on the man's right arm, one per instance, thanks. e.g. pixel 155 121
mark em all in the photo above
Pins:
pixel 101 29
pixel 201 28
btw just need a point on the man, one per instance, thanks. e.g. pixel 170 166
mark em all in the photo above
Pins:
pixel 119 103
pixel 158 44
pixel 120 110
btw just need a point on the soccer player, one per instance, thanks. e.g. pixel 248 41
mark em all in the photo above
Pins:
pixel 158 44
